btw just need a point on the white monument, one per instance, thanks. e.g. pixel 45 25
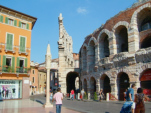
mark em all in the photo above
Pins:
pixel 48 66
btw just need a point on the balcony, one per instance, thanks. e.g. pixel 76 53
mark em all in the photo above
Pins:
pixel 9 48
pixel 9 69
pixel 23 50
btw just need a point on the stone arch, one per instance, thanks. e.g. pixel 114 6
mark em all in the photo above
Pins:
pixel 123 83
pixel 85 85
pixel 92 87
pixel 92 38
pixel 103 43
pixel 91 53
pixel 105 82
pixel 70 80
pixel 145 79
pixel 134 23
pixel 103 31
pixel 121 36
pixel 120 23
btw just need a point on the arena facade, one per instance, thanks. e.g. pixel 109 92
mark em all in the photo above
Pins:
pixel 118 53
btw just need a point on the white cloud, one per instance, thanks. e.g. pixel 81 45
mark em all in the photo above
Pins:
pixel 82 10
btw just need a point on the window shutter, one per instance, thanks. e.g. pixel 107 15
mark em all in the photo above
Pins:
pixel 20 44
pixel 13 64
pixel 15 22
pixel 7 43
pixel 17 61
pixel 11 42
pixel 26 65
pixel 27 26
pixel 25 62
pixel 6 20
pixel 1 18
pixel 4 63
pixel 17 70
pixel 19 23
pixel 23 45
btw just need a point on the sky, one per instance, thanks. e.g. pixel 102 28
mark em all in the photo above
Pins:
pixel 81 18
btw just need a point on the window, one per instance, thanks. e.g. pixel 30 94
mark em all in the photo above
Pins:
pixel 23 25
pixel 8 63
pixel 33 71
pixel 9 42
pixel 21 65
pixel 10 21
pixel 22 44
pixel 33 80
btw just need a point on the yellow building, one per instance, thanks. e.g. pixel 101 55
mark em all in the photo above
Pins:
pixel 15 46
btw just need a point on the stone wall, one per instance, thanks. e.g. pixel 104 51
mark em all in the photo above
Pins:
pixel 125 34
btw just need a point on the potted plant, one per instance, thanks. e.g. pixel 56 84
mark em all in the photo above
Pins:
pixel 95 96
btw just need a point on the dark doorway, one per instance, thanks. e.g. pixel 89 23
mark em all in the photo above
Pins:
pixel 85 85
pixel 123 84
pixel 92 87
pixel 70 81
pixel 106 86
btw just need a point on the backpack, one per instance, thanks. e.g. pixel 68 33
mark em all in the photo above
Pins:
pixel 140 102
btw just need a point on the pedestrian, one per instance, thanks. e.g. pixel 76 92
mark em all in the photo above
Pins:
pixel 139 99
pixel 58 97
pixel 72 94
pixel 51 95
pixel 82 94
pixel 101 95
pixel 129 105
pixel 130 96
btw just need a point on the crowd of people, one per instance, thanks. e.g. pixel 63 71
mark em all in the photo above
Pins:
pixel 134 102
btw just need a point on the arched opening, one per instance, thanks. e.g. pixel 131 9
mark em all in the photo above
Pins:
pixel 84 59
pixel 144 19
pixel 85 85
pixel 71 81
pixel 123 84
pixel 146 42
pixel 146 82
pixel 91 54
pixel 104 46
pixel 121 39
pixel 106 84
pixel 92 87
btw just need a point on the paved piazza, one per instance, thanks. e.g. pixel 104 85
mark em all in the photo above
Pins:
pixel 91 106
pixel 35 105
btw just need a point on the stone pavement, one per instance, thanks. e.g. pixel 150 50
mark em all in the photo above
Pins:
pixel 28 106
pixel 91 106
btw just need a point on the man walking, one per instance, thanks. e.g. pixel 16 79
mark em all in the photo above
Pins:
pixel 130 96
pixel 58 97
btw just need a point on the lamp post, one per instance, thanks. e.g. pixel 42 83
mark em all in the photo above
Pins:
pixel 48 66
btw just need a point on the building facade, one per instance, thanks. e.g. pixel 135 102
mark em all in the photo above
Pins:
pixel 68 69
pixel 34 78
pixel 15 46
pixel 118 53
pixel 42 78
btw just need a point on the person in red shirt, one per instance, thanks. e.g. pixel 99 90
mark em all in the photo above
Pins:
pixel 72 94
